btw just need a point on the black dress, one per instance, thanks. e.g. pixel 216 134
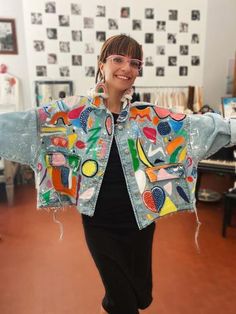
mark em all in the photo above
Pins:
pixel 121 252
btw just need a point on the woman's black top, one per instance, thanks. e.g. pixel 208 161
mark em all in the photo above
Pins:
pixel 113 208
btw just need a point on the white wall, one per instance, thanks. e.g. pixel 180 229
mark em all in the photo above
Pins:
pixel 17 64
pixel 220 48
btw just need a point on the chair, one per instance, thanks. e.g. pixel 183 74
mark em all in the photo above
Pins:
pixel 7 174
pixel 229 206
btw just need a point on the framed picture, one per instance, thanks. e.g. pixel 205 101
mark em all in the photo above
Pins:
pixel 47 91
pixel 8 42
pixel 229 107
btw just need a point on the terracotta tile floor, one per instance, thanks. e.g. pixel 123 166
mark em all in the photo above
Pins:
pixel 41 275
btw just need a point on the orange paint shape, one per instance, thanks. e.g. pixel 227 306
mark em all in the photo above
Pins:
pixel 60 115
pixel 56 181
pixel 171 147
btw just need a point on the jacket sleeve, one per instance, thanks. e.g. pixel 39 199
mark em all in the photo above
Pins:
pixel 209 133
pixel 19 140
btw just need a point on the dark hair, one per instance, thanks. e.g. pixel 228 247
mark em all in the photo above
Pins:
pixel 119 44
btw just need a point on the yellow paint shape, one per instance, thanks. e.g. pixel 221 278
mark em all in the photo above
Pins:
pixel 168 207
pixel 182 155
pixel 89 168
pixel 71 140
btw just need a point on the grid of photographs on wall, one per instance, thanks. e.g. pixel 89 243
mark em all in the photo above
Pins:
pixel 182 61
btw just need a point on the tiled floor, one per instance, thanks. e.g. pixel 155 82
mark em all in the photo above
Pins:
pixel 39 274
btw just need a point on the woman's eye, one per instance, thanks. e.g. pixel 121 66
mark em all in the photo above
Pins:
pixel 118 60
pixel 135 64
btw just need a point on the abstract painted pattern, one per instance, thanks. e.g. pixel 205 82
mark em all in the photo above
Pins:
pixel 75 149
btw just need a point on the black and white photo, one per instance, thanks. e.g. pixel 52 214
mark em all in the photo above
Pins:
pixel 76 59
pixel 137 25
pixel 172 61
pixel 183 71
pixel 52 58
pixel 160 71
pixel 149 13
pixel 88 22
pixel 41 70
pixel 64 71
pixel 161 26
pixel 75 9
pixel 195 39
pixel 195 60
pixel 173 15
pixel 36 18
pixel 161 50
pixel 101 36
pixel 183 27
pixel 39 45
pixel 195 16
pixel 183 50
pixel 112 24
pixel 90 71
pixel 50 7
pixel 149 61
pixel 64 46
pixel 89 48
pixel 149 38
pixel 171 38
pixel 101 11
pixel 64 20
pixel 76 35
pixel 51 33
pixel 8 41
pixel 125 12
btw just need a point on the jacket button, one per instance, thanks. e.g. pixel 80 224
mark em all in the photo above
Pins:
pixel 126 151
pixel 120 127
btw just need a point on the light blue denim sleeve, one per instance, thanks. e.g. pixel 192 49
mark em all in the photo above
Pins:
pixel 19 139
pixel 209 133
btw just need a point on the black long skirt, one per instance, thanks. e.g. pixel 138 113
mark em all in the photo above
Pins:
pixel 124 260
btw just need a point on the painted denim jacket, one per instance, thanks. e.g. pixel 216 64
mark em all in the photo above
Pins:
pixel 67 143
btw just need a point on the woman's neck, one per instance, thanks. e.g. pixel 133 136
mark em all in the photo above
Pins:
pixel 113 102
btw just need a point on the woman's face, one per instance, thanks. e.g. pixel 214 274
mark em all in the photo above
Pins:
pixel 119 72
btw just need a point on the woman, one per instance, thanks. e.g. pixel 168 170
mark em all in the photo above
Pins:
pixel 122 165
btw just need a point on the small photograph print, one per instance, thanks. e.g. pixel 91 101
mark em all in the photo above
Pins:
pixel 172 61
pixel 137 25
pixel 75 8
pixel 140 73
pixel 183 27
pixel 51 33
pixel 39 45
pixel 76 60
pixel 195 39
pixel 161 50
pixel 173 15
pixel 112 24
pixel 64 20
pixel 41 70
pixel 125 12
pixel 76 35
pixel 88 22
pixel 64 71
pixel 101 36
pixel 36 18
pixel 89 48
pixel 149 38
pixel 50 7
pixel 90 71
pixel 147 97
pixel 52 58
pixel 183 71
pixel 160 71
pixel 171 38
pixel 161 26
pixel 149 13
pixel 149 61
pixel 195 60
pixel 64 46
pixel 229 107
pixel 195 15
pixel 183 50
pixel 101 11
